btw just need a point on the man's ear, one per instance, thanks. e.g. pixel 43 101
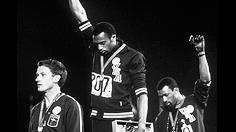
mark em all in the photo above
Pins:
pixel 113 38
pixel 56 78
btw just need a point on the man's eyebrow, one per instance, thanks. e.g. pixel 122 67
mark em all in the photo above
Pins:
pixel 102 42
pixel 40 73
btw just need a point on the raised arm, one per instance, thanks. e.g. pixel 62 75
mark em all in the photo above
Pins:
pixel 199 42
pixel 202 85
pixel 85 26
pixel 78 11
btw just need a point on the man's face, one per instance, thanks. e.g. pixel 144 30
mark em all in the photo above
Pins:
pixel 44 78
pixel 104 43
pixel 167 96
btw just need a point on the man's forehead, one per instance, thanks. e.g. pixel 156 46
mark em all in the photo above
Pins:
pixel 164 90
pixel 100 36
pixel 43 69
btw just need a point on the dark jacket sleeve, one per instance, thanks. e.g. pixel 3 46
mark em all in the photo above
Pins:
pixel 138 74
pixel 86 30
pixel 74 116
pixel 30 123
pixel 201 93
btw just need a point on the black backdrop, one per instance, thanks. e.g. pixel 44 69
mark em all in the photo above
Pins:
pixel 160 30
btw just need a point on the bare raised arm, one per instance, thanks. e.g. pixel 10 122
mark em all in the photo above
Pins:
pixel 78 11
pixel 199 42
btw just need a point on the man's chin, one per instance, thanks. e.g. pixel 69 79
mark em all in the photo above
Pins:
pixel 41 89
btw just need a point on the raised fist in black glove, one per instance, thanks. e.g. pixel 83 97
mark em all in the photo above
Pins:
pixel 199 43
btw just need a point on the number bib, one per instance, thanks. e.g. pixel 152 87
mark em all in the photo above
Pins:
pixel 101 86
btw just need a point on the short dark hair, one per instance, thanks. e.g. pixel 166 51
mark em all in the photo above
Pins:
pixel 105 27
pixel 57 68
pixel 166 81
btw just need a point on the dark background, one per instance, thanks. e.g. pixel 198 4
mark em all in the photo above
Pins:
pixel 160 30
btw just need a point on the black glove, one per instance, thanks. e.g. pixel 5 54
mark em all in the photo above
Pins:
pixel 199 43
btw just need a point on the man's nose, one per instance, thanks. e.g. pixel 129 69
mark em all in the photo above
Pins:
pixel 100 47
pixel 164 99
pixel 37 79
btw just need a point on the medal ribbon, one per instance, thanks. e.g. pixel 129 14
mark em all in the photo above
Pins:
pixel 173 122
pixel 109 60
pixel 40 125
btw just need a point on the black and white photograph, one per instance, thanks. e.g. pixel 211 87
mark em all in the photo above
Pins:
pixel 117 66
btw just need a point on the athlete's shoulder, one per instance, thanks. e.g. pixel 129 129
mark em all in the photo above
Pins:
pixel 131 51
pixel 37 106
pixel 134 51
pixel 71 100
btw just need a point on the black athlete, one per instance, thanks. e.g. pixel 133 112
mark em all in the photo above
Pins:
pixel 180 113
pixel 117 69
